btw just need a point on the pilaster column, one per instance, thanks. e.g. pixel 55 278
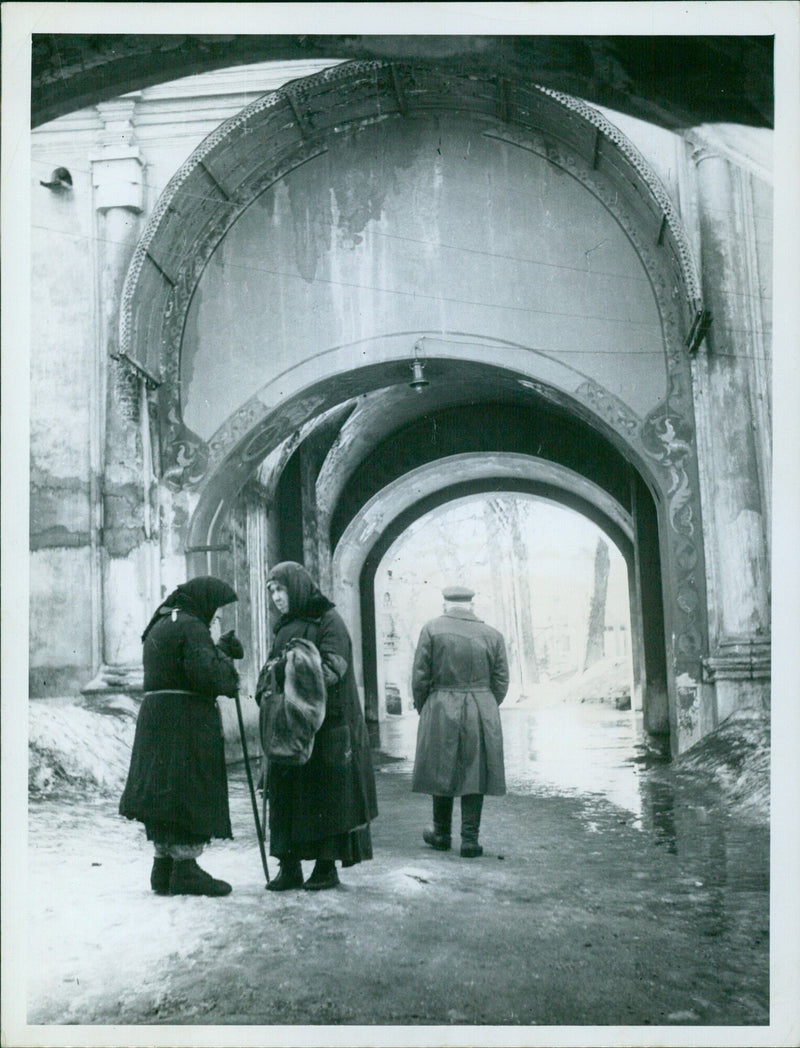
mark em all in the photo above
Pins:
pixel 124 481
pixel 733 428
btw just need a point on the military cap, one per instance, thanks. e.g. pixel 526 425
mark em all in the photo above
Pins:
pixel 457 593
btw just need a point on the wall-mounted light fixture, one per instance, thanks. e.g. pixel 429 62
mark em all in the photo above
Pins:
pixel 60 180
pixel 418 380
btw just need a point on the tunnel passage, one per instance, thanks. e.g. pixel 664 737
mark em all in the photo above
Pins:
pixel 518 243
pixel 479 427
pixel 450 494
pixel 362 448
pixel 545 433
pixel 556 584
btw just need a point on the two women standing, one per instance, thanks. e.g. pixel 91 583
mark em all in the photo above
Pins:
pixel 177 781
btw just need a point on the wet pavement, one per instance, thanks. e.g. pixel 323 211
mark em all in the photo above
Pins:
pixel 610 894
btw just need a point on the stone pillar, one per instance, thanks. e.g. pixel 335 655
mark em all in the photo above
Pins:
pixel 637 648
pixel 258 552
pixel 659 728
pixel 731 381
pixel 125 533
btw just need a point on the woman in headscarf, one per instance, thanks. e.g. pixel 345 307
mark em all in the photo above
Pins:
pixel 177 782
pixel 320 810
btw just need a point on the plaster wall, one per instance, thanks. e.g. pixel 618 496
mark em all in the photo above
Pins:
pixel 89 590
pixel 62 317
pixel 421 225
pixel 61 405
pixel 60 648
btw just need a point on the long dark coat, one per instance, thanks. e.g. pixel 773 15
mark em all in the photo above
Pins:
pixel 459 679
pixel 177 781
pixel 334 792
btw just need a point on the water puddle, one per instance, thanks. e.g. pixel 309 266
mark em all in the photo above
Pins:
pixel 589 751
pixel 576 748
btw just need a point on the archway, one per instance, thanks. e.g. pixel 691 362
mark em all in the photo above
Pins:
pixel 721 78
pixel 314 197
pixel 557 588
pixel 511 574
pixel 396 506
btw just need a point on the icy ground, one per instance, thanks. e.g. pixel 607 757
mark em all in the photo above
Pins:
pixel 596 903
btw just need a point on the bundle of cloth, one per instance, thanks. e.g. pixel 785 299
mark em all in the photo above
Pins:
pixel 290 724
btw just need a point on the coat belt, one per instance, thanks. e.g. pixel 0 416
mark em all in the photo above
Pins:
pixel 469 685
pixel 175 691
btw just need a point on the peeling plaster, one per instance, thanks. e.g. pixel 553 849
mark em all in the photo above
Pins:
pixel 123 531
pixel 59 511
pixel 58 537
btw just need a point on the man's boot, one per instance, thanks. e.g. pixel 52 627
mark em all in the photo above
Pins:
pixel 188 879
pixel 289 876
pixel 160 874
pixel 439 836
pixel 471 808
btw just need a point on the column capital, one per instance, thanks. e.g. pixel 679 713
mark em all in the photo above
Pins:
pixel 117 179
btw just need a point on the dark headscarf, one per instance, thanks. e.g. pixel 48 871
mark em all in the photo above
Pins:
pixel 306 601
pixel 200 597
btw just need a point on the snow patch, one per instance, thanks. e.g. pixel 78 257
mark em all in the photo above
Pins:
pixel 72 745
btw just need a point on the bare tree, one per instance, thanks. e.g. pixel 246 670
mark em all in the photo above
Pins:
pixel 597 610
pixel 518 598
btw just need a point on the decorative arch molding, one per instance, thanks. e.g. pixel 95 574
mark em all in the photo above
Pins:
pixel 500 471
pixel 287 128
pixel 290 406
pixel 290 403
pixel 660 449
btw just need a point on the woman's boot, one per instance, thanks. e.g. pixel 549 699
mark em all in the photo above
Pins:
pixel 323 876
pixel 289 876
pixel 188 879
pixel 160 874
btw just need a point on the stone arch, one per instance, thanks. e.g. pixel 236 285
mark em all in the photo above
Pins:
pixel 278 135
pixel 544 493
pixel 620 500
pixel 288 128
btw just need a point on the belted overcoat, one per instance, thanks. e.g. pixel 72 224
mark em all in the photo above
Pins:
pixel 177 781
pixel 459 679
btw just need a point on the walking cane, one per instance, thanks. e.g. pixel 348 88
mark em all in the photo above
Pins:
pixel 259 827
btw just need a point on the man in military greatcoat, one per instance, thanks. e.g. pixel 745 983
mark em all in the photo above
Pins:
pixel 459 679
